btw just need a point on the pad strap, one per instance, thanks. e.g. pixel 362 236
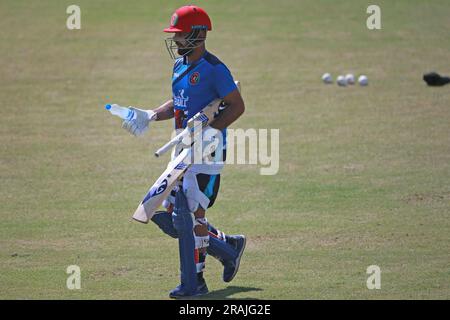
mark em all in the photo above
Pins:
pixel 201 242
pixel 200 222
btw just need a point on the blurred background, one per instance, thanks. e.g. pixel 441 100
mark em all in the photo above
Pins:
pixel 364 171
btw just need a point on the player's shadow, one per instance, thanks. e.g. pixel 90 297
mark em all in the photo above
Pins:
pixel 226 293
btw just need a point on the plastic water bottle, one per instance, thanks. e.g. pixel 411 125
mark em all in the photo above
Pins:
pixel 122 112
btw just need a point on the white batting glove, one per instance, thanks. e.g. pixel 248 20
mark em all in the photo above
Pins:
pixel 140 123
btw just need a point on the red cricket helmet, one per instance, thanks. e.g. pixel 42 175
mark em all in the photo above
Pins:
pixel 189 18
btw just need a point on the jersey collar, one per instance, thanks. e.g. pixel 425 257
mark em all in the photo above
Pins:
pixel 197 61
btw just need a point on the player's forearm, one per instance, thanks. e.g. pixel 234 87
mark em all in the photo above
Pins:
pixel 165 111
pixel 228 116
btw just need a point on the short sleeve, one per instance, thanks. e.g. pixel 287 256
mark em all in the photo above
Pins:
pixel 224 82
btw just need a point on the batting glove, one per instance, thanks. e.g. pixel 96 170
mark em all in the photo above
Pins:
pixel 140 123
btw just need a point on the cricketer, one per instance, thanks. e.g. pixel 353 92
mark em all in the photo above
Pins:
pixel 198 78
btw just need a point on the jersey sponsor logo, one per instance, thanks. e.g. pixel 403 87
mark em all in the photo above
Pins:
pixel 194 78
pixel 180 100
pixel 180 104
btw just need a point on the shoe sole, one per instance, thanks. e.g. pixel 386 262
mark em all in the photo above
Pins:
pixel 194 295
pixel 187 297
pixel 238 260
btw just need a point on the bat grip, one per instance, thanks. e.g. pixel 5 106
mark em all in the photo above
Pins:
pixel 164 148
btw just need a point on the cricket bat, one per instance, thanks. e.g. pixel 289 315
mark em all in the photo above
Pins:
pixel 178 166
pixel 163 186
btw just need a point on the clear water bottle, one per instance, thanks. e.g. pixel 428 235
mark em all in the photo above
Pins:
pixel 122 112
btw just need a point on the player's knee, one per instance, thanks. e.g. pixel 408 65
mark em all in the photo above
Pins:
pixel 200 214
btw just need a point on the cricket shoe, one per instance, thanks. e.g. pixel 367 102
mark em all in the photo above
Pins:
pixel 231 267
pixel 179 292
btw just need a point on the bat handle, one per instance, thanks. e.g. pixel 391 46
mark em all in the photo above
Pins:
pixel 164 148
pixel 176 140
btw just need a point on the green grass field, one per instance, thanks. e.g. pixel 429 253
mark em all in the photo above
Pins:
pixel 364 173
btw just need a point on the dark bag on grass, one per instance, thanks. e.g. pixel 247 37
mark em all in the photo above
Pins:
pixel 435 80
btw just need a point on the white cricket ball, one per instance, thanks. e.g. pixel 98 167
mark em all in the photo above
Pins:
pixel 341 81
pixel 363 81
pixel 350 78
pixel 326 78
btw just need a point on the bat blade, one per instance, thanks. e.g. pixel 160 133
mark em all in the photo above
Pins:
pixel 162 187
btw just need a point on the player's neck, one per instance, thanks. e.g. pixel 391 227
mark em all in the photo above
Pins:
pixel 196 55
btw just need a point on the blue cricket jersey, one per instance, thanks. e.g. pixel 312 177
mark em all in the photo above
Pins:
pixel 206 79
